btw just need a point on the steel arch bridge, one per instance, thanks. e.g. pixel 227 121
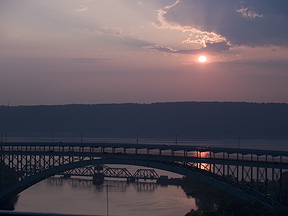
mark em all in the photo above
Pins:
pixel 256 175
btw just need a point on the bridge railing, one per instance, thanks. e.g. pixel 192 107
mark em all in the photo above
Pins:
pixel 209 153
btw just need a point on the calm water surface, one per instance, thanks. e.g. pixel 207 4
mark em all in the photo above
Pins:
pixel 76 196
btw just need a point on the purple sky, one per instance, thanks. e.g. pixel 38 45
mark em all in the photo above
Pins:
pixel 118 51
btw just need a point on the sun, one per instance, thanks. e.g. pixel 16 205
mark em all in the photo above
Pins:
pixel 202 59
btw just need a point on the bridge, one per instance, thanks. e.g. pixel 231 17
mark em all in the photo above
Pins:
pixel 145 174
pixel 255 175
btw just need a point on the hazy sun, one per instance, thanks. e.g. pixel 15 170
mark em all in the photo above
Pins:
pixel 202 59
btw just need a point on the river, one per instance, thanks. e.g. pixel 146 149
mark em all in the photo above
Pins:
pixel 80 196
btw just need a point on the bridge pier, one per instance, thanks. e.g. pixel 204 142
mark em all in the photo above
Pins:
pixel 66 176
pixel 131 179
pixel 98 176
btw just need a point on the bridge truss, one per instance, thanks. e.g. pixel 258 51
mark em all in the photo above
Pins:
pixel 146 174
pixel 257 175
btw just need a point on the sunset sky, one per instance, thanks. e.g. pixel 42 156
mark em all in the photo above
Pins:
pixel 119 51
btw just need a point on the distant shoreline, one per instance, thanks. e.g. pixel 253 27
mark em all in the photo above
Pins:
pixel 171 120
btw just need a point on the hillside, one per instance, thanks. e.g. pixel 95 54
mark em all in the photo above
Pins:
pixel 157 120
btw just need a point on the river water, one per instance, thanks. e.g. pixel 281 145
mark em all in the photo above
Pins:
pixel 80 196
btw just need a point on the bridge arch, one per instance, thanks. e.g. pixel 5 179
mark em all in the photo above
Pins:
pixel 37 177
pixel 249 174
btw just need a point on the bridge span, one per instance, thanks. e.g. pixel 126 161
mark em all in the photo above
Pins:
pixel 105 171
pixel 256 175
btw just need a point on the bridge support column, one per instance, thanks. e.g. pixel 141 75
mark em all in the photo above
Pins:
pixel 266 182
pixel 251 178
pixel 251 174
pixel 98 176
pixel 228 167
pixel 237 170
pixel 257 179
pixel 200 165
pixel 213 165
pixel 266 178
pixel 273 186
pixel 281 185
pixel 242 178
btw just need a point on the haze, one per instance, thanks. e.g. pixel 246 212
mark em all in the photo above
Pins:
pixel 118 51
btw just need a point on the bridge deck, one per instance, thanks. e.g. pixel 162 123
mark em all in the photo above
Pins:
pixel 264 158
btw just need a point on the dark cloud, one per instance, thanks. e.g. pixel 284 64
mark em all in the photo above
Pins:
pixel 246 22
pixel 216 47
pixel 211 48
pixel 161 48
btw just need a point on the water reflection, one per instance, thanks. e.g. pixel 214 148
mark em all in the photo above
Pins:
pixel 80 196
pixel 119 186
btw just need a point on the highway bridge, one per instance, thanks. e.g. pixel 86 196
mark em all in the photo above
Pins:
pixel 256 175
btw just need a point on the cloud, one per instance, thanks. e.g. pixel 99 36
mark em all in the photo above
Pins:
pixel 196 34
pixel 81 8
pixel 115 31
pixel 248 23
pixel 95 30
pixel 211 48
pixel 161 48
pixel 112 37
pixel 217 47
pixel 249 13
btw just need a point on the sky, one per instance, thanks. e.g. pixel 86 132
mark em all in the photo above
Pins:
pixel 124 51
